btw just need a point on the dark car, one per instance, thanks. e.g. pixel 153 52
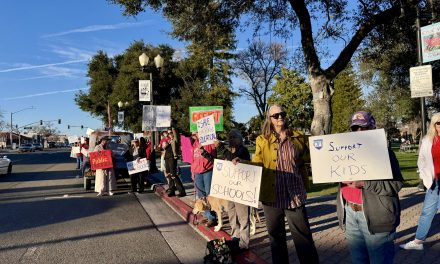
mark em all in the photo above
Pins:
pixel 38 146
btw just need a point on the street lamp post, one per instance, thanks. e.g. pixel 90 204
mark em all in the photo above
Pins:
pixel 158 61
pixel 10 134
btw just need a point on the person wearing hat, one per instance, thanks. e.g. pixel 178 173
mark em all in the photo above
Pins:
pixel 105 180
pixel 370 210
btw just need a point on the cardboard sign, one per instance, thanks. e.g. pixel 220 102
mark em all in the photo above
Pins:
pixel 138 166
pixel 197 112
pixel 149 118
pixel 100 160
pixel 163 116
pixel 144 90
pixel 187 152
pixel 206 130
pixel 237 183
pixel 353 156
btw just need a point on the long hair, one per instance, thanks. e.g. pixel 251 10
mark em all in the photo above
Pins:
pixel 432 133
pixel 267 128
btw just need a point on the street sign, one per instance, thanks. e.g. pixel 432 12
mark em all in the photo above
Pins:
pixel 420 79
pixel 430 42
pixel 144 90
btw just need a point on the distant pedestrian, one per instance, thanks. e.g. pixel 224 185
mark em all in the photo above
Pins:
pixel 105 180
pixel 428 164
pixel 136 178
pixel 370 210
pixel 85 158
pixel 78 156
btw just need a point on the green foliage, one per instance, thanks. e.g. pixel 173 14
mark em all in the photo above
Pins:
pixel 346 100
pixel 294 94
pixel 254 125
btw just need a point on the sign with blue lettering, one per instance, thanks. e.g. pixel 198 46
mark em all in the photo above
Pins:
pixel 206 130
pixel 353 156
pixel 237 183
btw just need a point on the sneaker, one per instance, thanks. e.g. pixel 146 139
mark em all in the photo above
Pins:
pixel 99 194
pixel 111 193
pixel 421 187
pixel 412 245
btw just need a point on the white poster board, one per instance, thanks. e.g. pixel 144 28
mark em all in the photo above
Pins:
pixel 149 118
pixel 85 152
pixel 144 90
pixel 72 139
pixel 238 183
pixel 138 166
pixel 420 79
pixel 163 116
pixel 353 156
pixel 89 131
pixel 74 151
pixel 206 130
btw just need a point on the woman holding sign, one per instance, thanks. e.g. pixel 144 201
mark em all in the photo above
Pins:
pixel 429 167
pixel 105 180
pixel 282 192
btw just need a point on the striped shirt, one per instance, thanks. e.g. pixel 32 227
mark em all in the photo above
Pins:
pixel 289 187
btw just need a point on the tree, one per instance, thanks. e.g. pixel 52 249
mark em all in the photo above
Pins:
pixel 259 64
pixel 349 23
pixel 293 93
pixel 346 101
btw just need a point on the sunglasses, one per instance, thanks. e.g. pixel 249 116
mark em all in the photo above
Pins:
pixel 356 128
pixel 277 115
pixel 437 123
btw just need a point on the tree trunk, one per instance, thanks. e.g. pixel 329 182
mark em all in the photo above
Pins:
pixel 322 88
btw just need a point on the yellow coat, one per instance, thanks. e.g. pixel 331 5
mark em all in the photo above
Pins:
pixel 266 155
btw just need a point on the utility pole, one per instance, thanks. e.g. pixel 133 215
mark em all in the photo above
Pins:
pixel 420 62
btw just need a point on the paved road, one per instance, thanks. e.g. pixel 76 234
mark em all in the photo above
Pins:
pixel 46 217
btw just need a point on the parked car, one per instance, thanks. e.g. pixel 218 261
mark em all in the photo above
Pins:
pixel 37 146
pixel 26 148
pixel 5 165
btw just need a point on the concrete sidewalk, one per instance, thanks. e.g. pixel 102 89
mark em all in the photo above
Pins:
pixel 328 237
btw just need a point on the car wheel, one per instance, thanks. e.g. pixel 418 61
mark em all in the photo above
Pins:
pixel 9 169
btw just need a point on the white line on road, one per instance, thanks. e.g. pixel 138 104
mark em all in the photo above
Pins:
pixel 66 196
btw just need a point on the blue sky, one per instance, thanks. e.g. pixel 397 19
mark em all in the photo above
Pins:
pixel 45 48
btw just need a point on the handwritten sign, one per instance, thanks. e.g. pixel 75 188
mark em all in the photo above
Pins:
pixel 237 183
pixel 163 116
pixel 149 118
pixel 197 112
pixel 144 90
pixel 101 159
pixel 206 130
pixel 138 166
pixel 353 156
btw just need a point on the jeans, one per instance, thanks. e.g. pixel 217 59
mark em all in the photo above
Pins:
pixel 78 162
pixel 428 211
pixel 299 228
pixel 366 247
pixel 203 187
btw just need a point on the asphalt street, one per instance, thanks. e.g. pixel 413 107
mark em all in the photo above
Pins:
pixel 47 217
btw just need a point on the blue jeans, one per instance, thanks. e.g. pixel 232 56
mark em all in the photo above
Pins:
pixel 78 162
pixel 203 186
pixel 428 212
pixel 366 247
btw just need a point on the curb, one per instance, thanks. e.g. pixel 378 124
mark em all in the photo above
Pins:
pixel 185 211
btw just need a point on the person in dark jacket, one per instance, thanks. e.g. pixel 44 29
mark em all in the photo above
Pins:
pixel 170 158
pixel 370 210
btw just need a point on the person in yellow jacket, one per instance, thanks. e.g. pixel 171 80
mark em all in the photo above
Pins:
pixel 282 191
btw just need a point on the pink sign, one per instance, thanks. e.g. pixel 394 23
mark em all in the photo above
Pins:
pixel 187 154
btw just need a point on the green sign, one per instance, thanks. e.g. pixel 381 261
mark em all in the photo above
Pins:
pixel 197 112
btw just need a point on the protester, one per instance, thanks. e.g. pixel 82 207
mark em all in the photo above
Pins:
pixel 428 164
pixel 282 189
pixel 239 214
pixel 85 158
pixel 105 180
pixel 170 157
pixel 136 178
pixel 202 166
pixel 370 209
pixel 164 138
pixel 78 157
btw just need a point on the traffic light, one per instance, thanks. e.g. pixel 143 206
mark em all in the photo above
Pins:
pixel 68 126
pixel 82 126
pixel 41 122
pixel 16 126
pixel 59 121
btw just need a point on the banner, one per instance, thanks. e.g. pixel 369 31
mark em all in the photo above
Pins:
pixel 144 90
pixel 138 166
pixel 353 156
pixel 206 130
pixel 149 118
pixel 163 116
pixel 187 152
pixel 430 36
pixel 237 183
pixel 121 117
pixel 101 159
pixel 197 112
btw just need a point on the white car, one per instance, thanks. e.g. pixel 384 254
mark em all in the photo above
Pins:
pixel 5 165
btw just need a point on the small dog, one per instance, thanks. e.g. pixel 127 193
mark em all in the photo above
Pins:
pixel 217 205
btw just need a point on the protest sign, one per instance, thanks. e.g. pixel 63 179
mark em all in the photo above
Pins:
pixel 138 166
pixel 72 139
pixel 237 183
pixel 144 90
pixel 74 151
pixel 163 116
pixel 89 131
pixel 353 156
pixel 197 112
pixel 187 152
pixel 430 42
pixel 206 130
pixel 85 152
pixel 101 159
pixel 149 118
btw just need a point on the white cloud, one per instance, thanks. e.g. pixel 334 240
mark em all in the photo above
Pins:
pixel 31 67
pixel 94 28
pixel 44 94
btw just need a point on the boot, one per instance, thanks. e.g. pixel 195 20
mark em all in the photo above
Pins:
pixel 171 187
pixel 179 186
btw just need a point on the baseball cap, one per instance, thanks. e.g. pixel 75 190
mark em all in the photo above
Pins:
pixel 363 119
